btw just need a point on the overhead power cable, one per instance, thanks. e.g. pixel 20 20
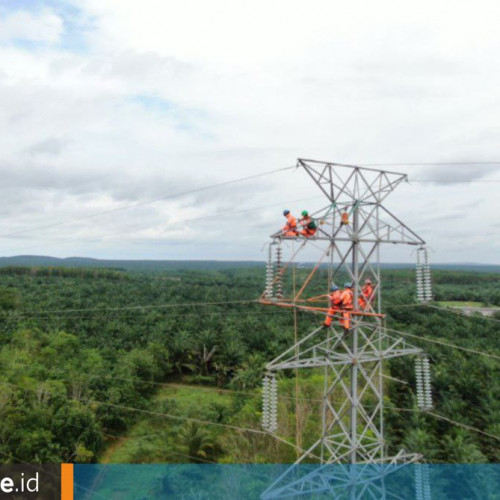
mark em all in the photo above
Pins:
pixel 447 344
pixel 234 427
pixel 107 317
pixel 238 392
pixel 149 306
pixel 437 164
pixel 437 181
pixel 170 416
pixel 136 316
pixel 184 221
pixel 224 213
pixel 249 301
pixel 200 304
pixel 429 164
pixel 196 420
pixel 146 436
pixel 461 313
pixel 464 426
pixel 452 310
pixel 446 419
pixel 144 203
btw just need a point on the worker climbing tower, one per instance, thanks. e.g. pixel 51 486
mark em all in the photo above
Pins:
pixel 351 229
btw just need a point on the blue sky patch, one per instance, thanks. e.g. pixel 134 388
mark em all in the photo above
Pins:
pixel 153 103
pixel 76 25
pixel 184 118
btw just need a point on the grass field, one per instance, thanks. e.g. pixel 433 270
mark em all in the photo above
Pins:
pixel 458 303
pixel 204 403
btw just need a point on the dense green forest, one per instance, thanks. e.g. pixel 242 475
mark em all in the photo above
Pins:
pixel 113 365
pixel 152 265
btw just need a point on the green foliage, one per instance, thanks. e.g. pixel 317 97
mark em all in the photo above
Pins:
pixel 79 357
pixel 9 299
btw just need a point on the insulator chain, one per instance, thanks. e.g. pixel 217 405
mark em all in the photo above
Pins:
pixel 422 482
pixel 265 402
pixel 423 382
pixel 420 284
pixel 273 404
pixel 424 284
pixel 426 371
pixel 279 281
pixel 269 290
pixel 270 403
pixel 419 382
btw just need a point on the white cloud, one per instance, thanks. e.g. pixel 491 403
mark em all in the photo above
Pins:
pixel 22 25
pixel 169 96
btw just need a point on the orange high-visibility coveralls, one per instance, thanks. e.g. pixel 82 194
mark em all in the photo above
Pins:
pixel 290 228
pixel 335 302
pixel 366 295
pixel 347 296
pixel 307 231
pixel 345 219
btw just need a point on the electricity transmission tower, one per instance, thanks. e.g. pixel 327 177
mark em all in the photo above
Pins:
pixel 352 426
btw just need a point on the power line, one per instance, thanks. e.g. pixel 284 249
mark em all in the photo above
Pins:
pixel 461 313
pixel 158 306
pixel 446 419
pixel 452 310
pixel 183 222
pixel 146 436
pixel 141 204
pixel 135 316
pixel 198 304
pixel 174 417
pixel 464 426
pixel 112 436
pixel 437 181
pixel 218 389
pixel 447 344
pixel 196 420
pixel 219 214
pixel 429 164
pixel 244 429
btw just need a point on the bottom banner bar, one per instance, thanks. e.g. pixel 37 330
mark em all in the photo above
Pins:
pixel 206 482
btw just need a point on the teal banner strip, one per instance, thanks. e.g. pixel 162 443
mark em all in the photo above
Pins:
pixel 207 482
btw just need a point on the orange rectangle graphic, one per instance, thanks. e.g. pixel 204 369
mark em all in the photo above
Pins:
pixel 66 481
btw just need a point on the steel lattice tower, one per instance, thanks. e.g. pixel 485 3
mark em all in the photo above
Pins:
pixel 352 432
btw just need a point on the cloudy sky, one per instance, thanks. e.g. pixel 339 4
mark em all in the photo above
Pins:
pixel 110 110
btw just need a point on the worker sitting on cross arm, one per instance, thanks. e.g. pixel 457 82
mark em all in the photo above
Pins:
pixel 346 298
pixel 308 225
pixel 290 228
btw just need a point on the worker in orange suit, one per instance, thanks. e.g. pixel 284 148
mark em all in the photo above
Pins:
pixel 308 225
pixel 290 228
pixel 335 301
pixel 344 221
pixel 366 296
pixel 347 306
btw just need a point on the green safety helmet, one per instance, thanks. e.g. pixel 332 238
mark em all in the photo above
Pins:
pixel 348 284
pixel 305 213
